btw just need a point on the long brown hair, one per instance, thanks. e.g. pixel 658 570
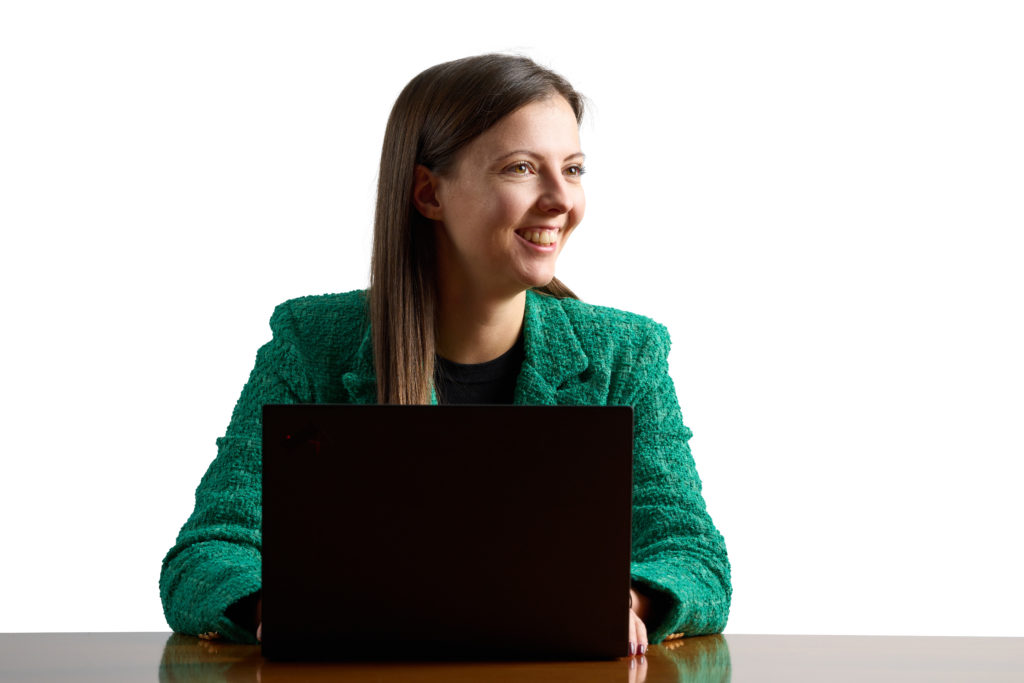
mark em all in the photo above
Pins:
pixel 437 114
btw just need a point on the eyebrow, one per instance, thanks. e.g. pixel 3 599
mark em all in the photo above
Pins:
pixel 526 152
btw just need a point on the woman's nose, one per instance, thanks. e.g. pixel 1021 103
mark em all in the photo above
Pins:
pixel 556 197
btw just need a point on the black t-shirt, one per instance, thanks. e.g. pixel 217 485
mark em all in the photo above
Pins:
pixel 493 382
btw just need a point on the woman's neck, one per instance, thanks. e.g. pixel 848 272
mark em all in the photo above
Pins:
pixel 473 328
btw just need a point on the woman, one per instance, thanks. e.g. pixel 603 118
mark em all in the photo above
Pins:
pixel 479 190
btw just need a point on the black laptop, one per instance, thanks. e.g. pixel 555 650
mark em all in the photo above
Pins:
pixel 446 532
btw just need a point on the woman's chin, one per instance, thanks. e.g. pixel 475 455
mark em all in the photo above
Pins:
pixel 537 280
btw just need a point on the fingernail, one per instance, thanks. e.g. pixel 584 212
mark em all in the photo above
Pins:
pixel 632 648
pixel 643 649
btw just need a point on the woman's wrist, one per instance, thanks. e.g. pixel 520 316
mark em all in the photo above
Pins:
pixel 647 603
pixel 246 612
pixel 639 603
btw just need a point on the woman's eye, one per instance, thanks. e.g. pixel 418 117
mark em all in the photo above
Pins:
pixel 520 168
pixel 575 170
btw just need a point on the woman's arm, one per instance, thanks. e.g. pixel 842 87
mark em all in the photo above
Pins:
pixel 679 557
pixel 215 562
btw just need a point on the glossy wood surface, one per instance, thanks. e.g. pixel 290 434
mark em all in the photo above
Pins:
pixel 133 657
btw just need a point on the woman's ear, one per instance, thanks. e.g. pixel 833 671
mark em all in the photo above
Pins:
pixel 424 193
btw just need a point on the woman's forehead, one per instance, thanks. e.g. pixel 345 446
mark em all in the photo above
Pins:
pixel 546 129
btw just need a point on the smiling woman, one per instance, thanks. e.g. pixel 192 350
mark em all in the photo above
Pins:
pixel 502 216
pixel 480 187
pixel 535 200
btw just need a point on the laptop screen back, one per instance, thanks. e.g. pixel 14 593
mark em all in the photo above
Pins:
pixel 446 531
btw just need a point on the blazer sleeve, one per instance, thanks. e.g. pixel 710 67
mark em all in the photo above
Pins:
pixel 677 551
pixel 216 559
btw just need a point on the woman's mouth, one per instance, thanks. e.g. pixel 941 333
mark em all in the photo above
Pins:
pixel 539 238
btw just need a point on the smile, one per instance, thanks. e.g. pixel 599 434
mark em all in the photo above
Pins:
pixel 545 239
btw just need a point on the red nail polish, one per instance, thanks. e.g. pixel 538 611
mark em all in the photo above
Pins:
pixel 632 648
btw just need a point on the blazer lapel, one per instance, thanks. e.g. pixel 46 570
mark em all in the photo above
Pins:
pixel 361 381
pixel 556 370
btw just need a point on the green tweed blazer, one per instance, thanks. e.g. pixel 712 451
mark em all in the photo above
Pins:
pixel 575 354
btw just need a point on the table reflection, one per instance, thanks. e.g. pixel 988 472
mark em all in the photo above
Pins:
pixel 703 659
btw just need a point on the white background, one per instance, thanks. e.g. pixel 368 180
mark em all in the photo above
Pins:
pixel 822 201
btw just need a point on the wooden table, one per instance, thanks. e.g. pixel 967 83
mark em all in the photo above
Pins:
pixel 115 657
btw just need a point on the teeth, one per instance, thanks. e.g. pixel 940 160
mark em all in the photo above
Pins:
pixel 539 236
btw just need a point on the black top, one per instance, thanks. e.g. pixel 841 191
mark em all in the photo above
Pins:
pixel 492 383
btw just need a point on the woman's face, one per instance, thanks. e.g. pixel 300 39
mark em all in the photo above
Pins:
pixel 506 209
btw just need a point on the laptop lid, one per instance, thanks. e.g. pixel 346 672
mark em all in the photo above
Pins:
pixel 450 532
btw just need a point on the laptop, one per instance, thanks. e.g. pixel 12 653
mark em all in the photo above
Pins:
pixel 446 532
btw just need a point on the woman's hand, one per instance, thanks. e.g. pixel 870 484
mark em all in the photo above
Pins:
pixel 637 629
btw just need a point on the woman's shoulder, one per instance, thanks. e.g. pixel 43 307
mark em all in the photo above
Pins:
pixel 605 330
pixel 323 308
pixel 323 318
pixel 587 317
